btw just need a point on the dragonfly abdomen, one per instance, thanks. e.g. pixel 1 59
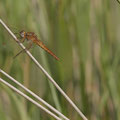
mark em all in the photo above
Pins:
pixel 46 49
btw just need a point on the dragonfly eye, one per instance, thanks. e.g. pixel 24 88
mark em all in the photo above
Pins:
pixel 22 33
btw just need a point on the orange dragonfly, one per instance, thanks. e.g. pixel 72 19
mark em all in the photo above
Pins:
pixel 32 37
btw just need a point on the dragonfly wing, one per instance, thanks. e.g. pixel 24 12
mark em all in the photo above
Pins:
pixel 30 33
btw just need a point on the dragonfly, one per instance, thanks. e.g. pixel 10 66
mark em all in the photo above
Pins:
pixel 32 38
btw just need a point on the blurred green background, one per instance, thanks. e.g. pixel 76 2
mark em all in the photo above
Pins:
pixel 85 36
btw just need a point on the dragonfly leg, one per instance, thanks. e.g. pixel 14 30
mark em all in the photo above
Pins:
pixel 23 50
pixel 22 40
pixel 29 46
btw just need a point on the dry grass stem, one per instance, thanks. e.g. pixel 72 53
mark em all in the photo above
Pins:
pixel 33 94
pixel 30 99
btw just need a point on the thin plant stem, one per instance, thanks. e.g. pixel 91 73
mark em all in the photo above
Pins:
pixel 33 94
pixel 118 1
pixel 45 72
pixel 30 99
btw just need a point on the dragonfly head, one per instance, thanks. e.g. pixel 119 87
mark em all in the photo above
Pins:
pixel 22 33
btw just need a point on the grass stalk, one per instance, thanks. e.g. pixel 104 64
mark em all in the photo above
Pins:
pixel 30 99
pixel 33 94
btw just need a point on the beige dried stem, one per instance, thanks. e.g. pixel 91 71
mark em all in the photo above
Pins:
pixel 45 72
pixel 33 94
pixel 30 99
pixel 118 1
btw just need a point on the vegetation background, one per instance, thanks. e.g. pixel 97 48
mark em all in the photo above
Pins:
pixel 85 35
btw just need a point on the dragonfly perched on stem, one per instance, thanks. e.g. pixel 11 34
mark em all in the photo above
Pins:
pixel 32 37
